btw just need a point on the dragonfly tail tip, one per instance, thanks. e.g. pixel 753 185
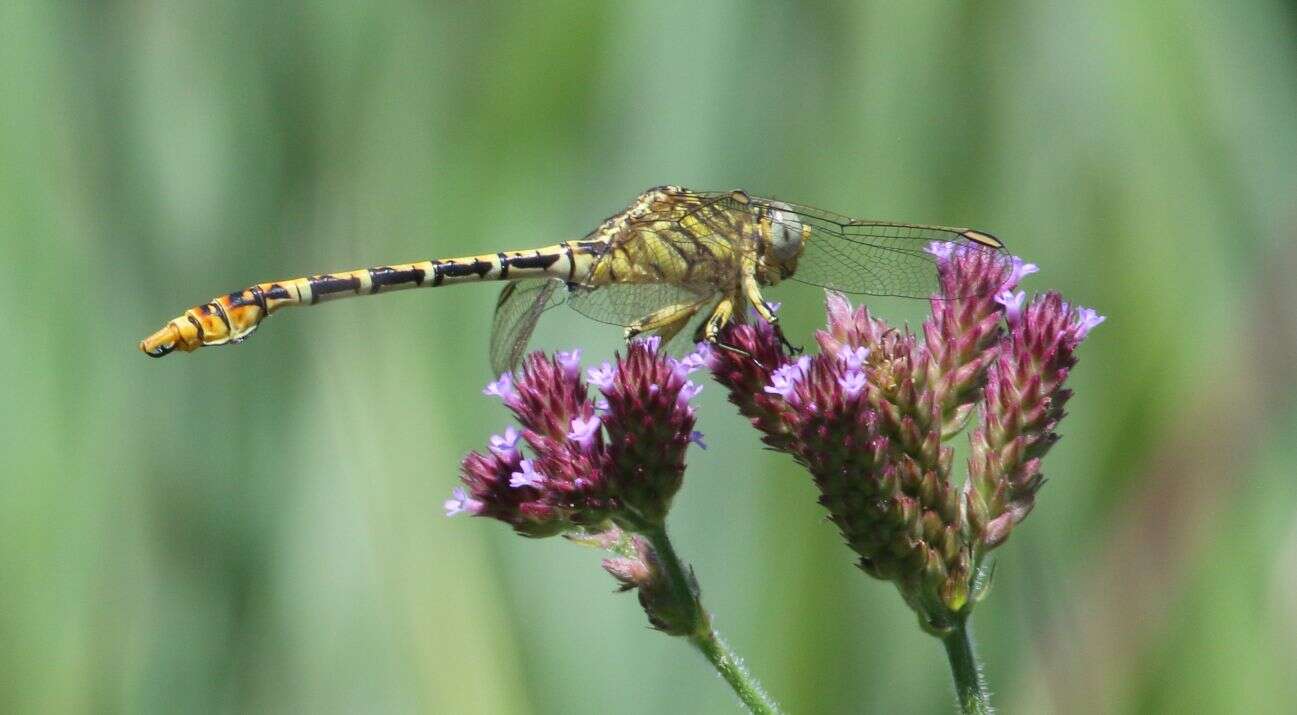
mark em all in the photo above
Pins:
pixel 163 342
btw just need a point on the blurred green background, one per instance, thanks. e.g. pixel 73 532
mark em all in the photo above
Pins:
pixel 259 528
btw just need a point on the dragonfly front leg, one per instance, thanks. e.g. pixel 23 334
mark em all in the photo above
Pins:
pixel 665 322
pixel 752 291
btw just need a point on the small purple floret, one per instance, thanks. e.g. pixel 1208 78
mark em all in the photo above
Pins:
pixel 1021 269
pixel 855 357
pixel 459 503
pixel 704 354
pixel 584 431
pixel 528 477
pixel 1012 303
pixel 784 380
pixel 569 362
pixel 503 446
pixel 652 342
pixel 501 388
pixel 689 391
pixel 690 363
pixel 697 438
pixel 852 383
pixel 1087 319
pixel 943 250
pixel 602 376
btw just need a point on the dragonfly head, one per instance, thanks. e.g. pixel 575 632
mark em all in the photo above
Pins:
pixel 786 232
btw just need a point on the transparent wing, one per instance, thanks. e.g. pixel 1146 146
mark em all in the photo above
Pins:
pixel 516 312
pixel 683 341
pixel 875 257
pixel 624 303
pixel 707 218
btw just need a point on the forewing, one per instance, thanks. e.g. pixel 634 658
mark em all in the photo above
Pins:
pixel 683 341
pixel 876 257
pixel 516 312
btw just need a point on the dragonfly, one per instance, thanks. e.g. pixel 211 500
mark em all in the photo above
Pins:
pixel 673 257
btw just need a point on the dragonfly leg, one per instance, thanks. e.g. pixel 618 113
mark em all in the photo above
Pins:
pixel 711 328
pixel 720 317
pixel 737 351
pixel 752 291
pixel 666 322
pixel 792 349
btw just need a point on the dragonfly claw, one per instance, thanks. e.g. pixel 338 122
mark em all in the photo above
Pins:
pixel 792 349
pixel 737 351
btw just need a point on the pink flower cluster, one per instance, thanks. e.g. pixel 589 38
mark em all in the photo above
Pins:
pixel 618 459
pixel 870 414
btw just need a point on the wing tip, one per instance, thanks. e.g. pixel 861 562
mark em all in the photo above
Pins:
pixel 982 238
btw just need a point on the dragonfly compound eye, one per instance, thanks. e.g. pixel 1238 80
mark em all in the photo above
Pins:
pixel 785 231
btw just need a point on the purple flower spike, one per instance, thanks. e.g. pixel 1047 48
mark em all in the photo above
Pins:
pixel 871 415
pixel 548 397
pixel 1024 404
pixel 569 362
pixel 580 479
pixel 501 388
pixel 527 477
pixel 648 422
pixel 585 431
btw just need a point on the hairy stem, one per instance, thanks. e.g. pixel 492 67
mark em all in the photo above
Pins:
pixel 703 636
pixel 970 687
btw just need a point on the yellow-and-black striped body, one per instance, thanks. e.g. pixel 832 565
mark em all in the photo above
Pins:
pixel 689 251
pixel 231 317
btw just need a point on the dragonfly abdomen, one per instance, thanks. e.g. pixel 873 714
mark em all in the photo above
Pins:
pixel 231 317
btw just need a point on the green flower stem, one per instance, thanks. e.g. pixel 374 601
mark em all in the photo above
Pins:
pixel 731 667
pixel 969 684
pixel 704 637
